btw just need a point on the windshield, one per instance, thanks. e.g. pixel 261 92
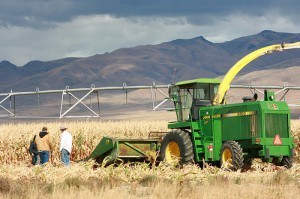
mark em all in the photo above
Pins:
pixel 205 91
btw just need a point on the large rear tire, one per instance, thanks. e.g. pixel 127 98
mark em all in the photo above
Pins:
pixel 177 147
pixel 231 156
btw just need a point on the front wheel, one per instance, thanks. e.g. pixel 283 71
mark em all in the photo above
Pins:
pixel 231 155
pixel 177 147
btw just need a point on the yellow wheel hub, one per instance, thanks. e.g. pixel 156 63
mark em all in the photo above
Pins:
pixel 172 152
pixel 227 157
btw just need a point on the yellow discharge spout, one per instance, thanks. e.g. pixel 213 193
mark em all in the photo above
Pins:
pixel 225 84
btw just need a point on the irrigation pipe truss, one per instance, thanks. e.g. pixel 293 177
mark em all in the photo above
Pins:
pixel 154 89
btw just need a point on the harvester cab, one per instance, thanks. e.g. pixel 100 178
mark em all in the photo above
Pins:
pixel 189 96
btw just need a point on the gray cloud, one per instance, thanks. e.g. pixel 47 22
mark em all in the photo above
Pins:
pixel 52 29
pixel 42 13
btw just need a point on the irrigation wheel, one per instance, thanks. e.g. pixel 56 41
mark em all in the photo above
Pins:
pixel 231 155
pixel 177 147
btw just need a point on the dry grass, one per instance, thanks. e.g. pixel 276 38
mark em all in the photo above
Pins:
pixel 18 179
pixel 14 138
pixel 140 181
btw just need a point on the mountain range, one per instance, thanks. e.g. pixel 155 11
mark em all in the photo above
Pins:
pixel 164 63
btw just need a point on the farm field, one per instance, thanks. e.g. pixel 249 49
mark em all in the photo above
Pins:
pixel 19 179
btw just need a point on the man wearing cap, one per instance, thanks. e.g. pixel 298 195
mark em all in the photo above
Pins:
pixel 65 145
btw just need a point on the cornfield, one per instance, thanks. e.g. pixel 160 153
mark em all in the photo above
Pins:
pixel 18 178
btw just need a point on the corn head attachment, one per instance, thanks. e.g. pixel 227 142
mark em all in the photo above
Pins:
pixel 112 150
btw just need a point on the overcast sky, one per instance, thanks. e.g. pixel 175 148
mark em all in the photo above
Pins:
pixel 53 29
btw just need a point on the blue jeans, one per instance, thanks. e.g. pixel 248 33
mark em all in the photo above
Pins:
pixel 44 156
pixel 65 157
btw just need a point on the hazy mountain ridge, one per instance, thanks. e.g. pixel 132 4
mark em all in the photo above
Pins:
pixel 141 65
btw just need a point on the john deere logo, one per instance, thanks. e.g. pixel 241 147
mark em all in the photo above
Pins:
pixel 274 106
pixel 107 141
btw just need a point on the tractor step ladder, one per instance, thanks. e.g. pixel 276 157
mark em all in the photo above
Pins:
pixel 198 141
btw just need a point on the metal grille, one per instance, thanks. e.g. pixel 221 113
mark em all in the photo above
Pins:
pixel 277 124
pixel 255 126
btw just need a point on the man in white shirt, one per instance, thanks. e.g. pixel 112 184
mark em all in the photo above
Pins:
pixel 65 145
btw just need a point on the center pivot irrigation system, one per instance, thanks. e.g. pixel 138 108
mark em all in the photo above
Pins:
pixel 8 101
pixel 66 94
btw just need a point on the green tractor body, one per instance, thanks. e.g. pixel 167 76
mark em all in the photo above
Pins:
pixel 231 134
pixel 260 129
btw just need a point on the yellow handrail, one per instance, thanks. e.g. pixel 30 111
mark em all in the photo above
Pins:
pixel 225 84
